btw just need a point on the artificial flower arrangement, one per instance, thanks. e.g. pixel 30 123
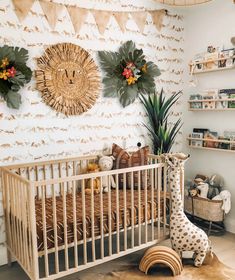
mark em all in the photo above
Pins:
pixel 14 74
pixel 127 73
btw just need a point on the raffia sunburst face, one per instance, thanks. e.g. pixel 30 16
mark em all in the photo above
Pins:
pixel 68 78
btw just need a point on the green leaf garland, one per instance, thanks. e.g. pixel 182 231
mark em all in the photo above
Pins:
pixel 14 74
pixel 127 73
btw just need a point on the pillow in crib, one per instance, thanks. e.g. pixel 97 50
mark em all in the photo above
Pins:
pixel 122 159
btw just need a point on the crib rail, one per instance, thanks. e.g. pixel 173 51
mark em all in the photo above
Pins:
pixel 18 205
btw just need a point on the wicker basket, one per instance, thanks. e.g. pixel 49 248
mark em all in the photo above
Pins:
pixel 210 210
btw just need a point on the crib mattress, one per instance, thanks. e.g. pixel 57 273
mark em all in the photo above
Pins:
pixel 97 216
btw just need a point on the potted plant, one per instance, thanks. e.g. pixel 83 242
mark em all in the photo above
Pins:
pixel 158 108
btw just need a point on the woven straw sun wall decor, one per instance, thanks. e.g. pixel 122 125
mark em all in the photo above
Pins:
pixel 68 78
pixel 183 2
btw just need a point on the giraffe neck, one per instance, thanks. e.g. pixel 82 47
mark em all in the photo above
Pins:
pixel 176 198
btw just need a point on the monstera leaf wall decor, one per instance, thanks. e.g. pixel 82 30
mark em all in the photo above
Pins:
pixel 68 78
pixel 127 73
pixel 14 74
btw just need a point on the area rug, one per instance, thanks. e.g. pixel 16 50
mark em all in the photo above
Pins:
pixel 212 270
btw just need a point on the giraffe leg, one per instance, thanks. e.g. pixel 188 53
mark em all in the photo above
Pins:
pixel 200 256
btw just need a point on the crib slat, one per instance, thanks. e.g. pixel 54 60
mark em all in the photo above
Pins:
pixel 84 222
pixel 109 217
pixel 67 174
pixel 22 214
pixel 8 207
pixel 117 214
pixel 75 224
pixel 12 212
pixel 54 222
pixel 125 217
pixel 164 201
pixel 30 229
pixel 60 175
pixel 36 177
pixel 17 217
pixel 146 206
pixel 44 177
pixel 101 222
pixel 132 212
pixel 26 225
pixel 152 202
pixel 44 231
pixel 92 221
pixel 139 208
pixel 159 201
pixel 65 227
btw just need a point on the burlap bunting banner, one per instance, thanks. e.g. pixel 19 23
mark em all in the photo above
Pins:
pixel 51 11
pixel 22 10
pixel 78 15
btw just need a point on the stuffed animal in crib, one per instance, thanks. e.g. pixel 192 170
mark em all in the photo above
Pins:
pixel 106 164
pixel 92 168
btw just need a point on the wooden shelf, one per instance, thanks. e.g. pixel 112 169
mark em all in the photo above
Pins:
pixel 211 60
pixel 216 109
pixel 209 100
pixel 211 140
pixel 212 70
pixel 212 149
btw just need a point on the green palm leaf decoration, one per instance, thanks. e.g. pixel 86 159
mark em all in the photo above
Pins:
pixel 158 110
pixel 14 74
pixel 127 74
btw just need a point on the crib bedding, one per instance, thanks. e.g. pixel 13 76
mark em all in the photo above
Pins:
pixel 97 225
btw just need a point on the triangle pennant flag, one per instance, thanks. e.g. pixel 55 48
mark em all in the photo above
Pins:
pixel 22 10
pixel 140 19
pixel 157 17
pixel 51 11
pixel 121 18
pixel 102 19
pixel 77 16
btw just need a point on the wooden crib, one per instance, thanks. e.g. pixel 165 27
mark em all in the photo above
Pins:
pixel 53 228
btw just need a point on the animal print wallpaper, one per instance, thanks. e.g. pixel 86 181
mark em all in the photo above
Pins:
pixel 36 132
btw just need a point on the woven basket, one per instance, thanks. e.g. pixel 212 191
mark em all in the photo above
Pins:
pixel 210 210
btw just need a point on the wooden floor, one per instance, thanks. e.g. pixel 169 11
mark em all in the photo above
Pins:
pixel 223 246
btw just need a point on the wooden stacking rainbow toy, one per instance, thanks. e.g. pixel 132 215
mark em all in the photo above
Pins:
pixel 161 255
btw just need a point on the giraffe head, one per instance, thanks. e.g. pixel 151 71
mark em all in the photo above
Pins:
pixel 176 159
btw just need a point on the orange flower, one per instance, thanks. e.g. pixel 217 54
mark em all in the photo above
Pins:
pixel 144 68
pixel 4 75
pixel 131 80
pixel 5 62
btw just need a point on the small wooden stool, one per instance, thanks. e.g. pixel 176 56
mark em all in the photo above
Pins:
pixel 163 255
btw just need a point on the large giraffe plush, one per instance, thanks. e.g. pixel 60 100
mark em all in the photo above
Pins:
pixel 184 235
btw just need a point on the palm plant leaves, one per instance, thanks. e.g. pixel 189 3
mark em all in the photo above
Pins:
pixel 17 58
pixel 158 110
pixel 117 84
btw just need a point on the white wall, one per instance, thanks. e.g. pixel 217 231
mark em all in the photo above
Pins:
pixel 36 132
pixel 210 24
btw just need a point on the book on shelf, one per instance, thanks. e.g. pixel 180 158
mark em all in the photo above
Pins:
pixel 231 104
